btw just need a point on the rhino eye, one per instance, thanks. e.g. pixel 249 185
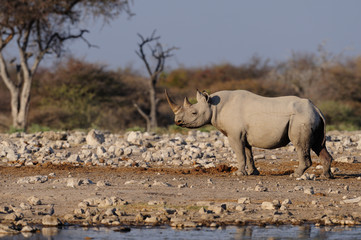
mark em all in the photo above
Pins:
pixel 194 113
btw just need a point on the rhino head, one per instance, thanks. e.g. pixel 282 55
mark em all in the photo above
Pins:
pixel 192 115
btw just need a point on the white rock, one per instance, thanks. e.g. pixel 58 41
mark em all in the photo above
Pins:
pixel 353 200
pixel 33 179
pixel 260 188
pixel 34 201
pixel 259 156
pixel 103 183
pixel 308 190
pixel 135 138
pixel 244 200
pixel 95 137
pixel 268 206
pixel 346 159
pixel 73 182
pixel 74 158
pixel 286 201
pixel 50 221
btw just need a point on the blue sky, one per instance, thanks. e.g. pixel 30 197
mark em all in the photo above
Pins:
pixel 212 32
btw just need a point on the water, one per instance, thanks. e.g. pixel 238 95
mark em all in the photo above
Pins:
pixel 246 232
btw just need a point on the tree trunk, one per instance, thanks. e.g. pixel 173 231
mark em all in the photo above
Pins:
pixel 153 108
pixel 20 105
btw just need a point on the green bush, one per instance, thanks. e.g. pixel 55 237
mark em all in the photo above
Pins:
pixel 339 115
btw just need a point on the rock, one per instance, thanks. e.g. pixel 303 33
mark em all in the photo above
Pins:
pixel 268 206
pixel 103 183
pixel 346 159
pixel 34 201
pixel 259 156
pixel 353 200
pixel 139 217
pixel 135 138
pixel 260 188
pixel 308 190
pixel 33 179
pixel 25 206
pixel 240 208
pixel 152 220
pixel 202 210
pixel 50 221
pixel 74 158
pixel 12 217
pixel 307 176
pixel 7 230
pixel 73 182
pixel 244 200
pixel 28 228
pixel 161 184
pixel 95 137
pixel 286 201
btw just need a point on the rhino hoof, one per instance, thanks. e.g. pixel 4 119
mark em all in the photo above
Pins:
pixel 240 173
pixel 253 172
pixel 327 175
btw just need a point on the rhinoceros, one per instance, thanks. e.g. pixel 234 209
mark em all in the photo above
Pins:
pixel 250 120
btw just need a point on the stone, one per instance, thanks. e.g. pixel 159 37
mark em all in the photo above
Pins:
pixel 74 158
pixel 286 201
pixel 346 159
pixel 95 137
pixel 240 208
pixel 73 182
pixel 202 210
pixel 103 183
pixel 244 200
pixel 34 201
pixel 5 229
pixel 50 221
pixel 353 200
pixel 151 220
pixel 260 188
pixel 28 228
pixel 308 190
pixel 259 156
pixel 32 179
pixel 25 206
pixel 268 206
pixel 135 138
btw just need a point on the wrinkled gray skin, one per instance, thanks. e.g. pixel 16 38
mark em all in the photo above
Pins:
pixel 250 120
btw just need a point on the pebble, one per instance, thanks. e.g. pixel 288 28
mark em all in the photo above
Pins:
pixel 50 221
pixel 34 201
pixel 308 190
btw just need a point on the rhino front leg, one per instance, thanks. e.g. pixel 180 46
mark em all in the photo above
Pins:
pixel 238 147
pixel 251 168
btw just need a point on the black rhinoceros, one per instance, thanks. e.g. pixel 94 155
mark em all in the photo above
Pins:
pixel 250 120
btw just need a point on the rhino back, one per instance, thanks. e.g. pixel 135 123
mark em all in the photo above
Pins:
pixel 264 120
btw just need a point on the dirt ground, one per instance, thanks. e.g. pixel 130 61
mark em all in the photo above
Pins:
pixel 181 196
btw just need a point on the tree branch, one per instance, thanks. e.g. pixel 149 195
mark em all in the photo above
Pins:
pixel 141 112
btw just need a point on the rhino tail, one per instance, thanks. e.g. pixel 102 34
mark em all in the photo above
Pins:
pixel 319 142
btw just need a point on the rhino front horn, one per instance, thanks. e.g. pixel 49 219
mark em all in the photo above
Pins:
pixel 175 108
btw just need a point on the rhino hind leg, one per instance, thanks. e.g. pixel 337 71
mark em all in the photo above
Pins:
pixel 326 160
pixel 304 159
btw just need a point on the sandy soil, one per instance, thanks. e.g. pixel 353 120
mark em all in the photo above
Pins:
pixel 185 197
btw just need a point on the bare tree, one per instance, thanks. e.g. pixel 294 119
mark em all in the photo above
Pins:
pixel 37 28
pixel 158 55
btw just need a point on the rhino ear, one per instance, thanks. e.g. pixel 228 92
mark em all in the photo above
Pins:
pixel 202 96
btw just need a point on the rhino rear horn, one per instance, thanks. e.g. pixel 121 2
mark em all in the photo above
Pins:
pixel 175 108
pixel 186 102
